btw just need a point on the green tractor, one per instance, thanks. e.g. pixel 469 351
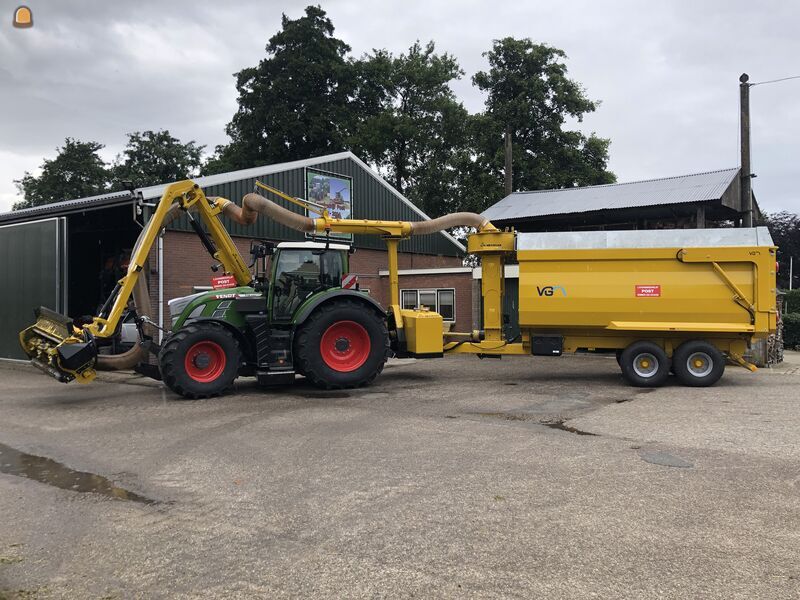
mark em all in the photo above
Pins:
pixel 294 317
pixel 294 310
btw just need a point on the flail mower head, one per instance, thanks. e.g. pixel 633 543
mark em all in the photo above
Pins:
pixel 58 348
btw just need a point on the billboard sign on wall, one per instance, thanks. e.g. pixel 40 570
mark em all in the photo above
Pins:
pixel 334 192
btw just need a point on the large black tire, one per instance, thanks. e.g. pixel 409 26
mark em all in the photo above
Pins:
pixel 200 360
pixel 644 364
pixel 343 344
pixel 698 363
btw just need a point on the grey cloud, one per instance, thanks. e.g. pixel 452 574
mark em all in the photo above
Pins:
pixel 666 73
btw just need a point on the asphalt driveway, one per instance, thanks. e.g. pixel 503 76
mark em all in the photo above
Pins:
pixel 446 478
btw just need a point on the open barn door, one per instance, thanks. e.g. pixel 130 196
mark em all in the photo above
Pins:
pixel 33 264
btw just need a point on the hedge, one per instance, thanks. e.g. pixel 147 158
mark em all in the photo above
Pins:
pixel 792 301
pixel 791 330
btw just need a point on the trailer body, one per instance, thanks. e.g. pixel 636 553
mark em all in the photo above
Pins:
pixel 604 290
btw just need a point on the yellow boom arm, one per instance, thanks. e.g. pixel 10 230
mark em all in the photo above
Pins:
pixel 67 352
pixel 186 196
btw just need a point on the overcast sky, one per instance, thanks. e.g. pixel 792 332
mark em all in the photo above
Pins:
pixel 666 73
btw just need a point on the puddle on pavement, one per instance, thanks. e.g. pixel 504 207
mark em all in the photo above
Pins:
pixel 561 427
pixel 46 470
pixel 664 459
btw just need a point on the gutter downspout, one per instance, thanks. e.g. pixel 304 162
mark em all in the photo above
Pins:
pixel 160 289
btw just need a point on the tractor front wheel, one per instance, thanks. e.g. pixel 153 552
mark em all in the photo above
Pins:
pixel 200 360
pixel 343 344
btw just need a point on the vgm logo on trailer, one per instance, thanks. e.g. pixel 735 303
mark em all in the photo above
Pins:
pixel 550 290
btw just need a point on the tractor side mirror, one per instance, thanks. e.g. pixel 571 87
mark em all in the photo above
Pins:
pixel 261 249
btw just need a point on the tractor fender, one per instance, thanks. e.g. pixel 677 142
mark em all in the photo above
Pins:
pixel 312 305
pixel 244 343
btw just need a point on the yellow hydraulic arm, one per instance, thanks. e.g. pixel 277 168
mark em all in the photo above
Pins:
pixel 186 196
pixel 69 352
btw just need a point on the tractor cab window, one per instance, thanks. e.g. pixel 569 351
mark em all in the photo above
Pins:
pixel 299 273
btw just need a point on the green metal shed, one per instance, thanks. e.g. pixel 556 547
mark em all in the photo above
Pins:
pixel 55 255
pixel 373 198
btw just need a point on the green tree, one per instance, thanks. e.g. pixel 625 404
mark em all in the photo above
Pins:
pixel 295 103
pixel 785 230
pixel 530 98
pixel 77 171
pixel 153 157
pixel 411 122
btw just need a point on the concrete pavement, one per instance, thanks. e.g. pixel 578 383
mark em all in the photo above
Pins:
pixel 446 478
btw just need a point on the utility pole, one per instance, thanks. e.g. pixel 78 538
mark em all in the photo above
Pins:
pixel 791 271
pixel 745 174
pixel 509 174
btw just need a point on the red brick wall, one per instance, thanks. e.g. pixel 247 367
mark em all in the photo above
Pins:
pixel 187 264
pixel 460 282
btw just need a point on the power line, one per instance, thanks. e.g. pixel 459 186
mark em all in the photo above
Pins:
pixel 775 80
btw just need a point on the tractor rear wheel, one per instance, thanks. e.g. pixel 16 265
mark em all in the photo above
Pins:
pixel 343 344
pixel 200 360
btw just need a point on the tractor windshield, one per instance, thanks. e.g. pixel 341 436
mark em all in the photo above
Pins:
pixel 299 273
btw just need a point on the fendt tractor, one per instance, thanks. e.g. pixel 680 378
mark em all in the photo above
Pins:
pixel 680 301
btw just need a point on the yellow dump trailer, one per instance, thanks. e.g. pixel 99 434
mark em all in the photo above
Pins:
pixel 680 300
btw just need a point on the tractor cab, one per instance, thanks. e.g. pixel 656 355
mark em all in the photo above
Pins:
pixel 297 271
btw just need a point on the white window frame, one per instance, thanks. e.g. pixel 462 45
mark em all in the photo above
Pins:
pixel 434 291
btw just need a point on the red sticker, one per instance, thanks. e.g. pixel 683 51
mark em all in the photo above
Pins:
pixel 223 281
pixel 648 291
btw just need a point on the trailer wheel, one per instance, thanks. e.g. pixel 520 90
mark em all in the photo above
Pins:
pixel 343 344
pixel 644 364
pixel 698 363
pixel 200 361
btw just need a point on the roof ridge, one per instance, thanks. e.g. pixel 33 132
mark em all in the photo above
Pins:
pixel 603 185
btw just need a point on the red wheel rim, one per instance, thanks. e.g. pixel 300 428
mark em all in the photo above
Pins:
pixel 205 361
pixel 345 346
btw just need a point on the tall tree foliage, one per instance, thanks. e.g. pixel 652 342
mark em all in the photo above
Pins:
pixel 153 157
pixel 411 120
pixel 77 171
pixel 530 95
pixel 785 230
pixel 295 103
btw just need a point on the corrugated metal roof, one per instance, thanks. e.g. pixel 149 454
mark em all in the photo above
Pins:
pixel 67 206
pixel 155 191
pixel 651 192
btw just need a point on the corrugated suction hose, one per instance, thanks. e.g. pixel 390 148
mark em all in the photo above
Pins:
pixel 255 204
pixel 141 300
